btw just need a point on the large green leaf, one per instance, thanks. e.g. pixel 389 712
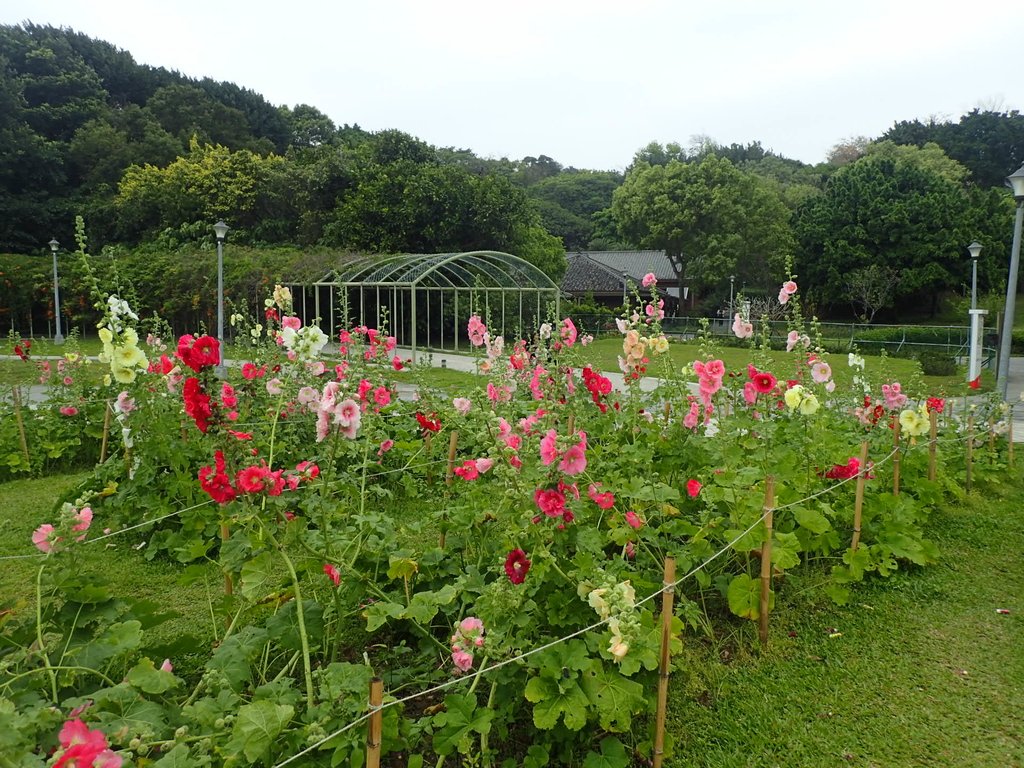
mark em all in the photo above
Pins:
pixel 616 697
pixel 744 595
pixel 613 755
pixel 256 727
pixel 148 679
pixel 552 701
pixel 460 719
pixel 785 550
pixel 258 577
pixel 811 519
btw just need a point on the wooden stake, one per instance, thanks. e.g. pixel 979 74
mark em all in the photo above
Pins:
pixel 933 418
pixel 373 734
pixel 970 452
pixel 667 596
pixel 766 558
pixel 896 458
pixel 453 444
pixel 571 424
pixel 858 503
pixel 668 410
pixel 229 584
pixel 16 392
pixel 106 433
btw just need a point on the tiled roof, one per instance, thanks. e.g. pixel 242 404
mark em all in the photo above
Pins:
pixel 601 271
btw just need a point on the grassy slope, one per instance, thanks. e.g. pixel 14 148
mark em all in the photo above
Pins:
pixel 924 673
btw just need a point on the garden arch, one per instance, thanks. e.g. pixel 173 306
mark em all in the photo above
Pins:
pixel 428 298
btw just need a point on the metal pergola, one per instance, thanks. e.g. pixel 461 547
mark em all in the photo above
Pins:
pixel 428 298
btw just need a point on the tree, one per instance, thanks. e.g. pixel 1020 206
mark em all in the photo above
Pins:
pixel 871 289
pixel 848 151
pixel 716 219
pixel 568 202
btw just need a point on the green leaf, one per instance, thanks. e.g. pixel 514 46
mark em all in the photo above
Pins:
pixel 177 758
pixel 258 576
pixel 377 614
pixel 553 701
pixel 458 721
pixel 256 727
pixel 744 595
pixel 402 567
pixel 613 755
pixel 615 697
pixel 424 605
pixel 785 550
pixel 811 519
pixel 115 639
pixel 148 679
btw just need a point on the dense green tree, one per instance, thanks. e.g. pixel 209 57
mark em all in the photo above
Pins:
pixel 898 210
pixel 717 219
pixel 568 202
pixel 309 126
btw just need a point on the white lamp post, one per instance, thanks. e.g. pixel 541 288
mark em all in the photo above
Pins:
pixel 1016 182
pixel 732 285
pixel 975 250
pixel 221 230
pixel 58 337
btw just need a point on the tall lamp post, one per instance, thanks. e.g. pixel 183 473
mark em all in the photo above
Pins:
pixel 58 337
pixel 625 278
pixel 975 250
pixel 732 284
pixel 1016 182
pixel 221 230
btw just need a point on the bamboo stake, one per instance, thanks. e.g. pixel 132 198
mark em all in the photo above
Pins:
pixel 571 424
pixel 453 444
pixel 667 596
pixel 766 558
pixel 668 410
pixel 896 458
pixel 16 392
pixel 933 418
pixel 858 503
pixel 970 452
pixel 106 433
pixel 375 730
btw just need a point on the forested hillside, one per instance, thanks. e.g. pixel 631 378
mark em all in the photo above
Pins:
pixel 151 157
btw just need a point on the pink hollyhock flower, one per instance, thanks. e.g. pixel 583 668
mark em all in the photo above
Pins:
pixel 332 574
pixel 574 460
pixel 468 470
pixel 750 393
pixel 274 386
pixel 290 321
pixel 693 488
pixel 347 413
pixel 167 666
pixel 648 280
pixel 385 446
pixel 690 419
pixel 549 501
pixel 396 363
pixel 317 368
pixel 84 748
pixel 44 539
pixel 894 397
pixel 484 465
pixel 633 519
pixel 789 287
pixel 821 372
pixel 69 410
pixel 783 297
pixel 227 396
pixel 549 448
pixel 382 396
pixel 630 550
pixel 568 332
pixel 462 660
pixel 604 500
pixel 462 405
pixel 741 327
pixel 124 403
pixel 714 369
pixel 83 519
pixel 309 397
pixel 476 329
pixel 68 381
pixel 792 339
pixel 517 566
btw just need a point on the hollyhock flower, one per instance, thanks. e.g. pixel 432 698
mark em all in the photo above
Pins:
pixel 69 410
pixel 385 446
pixel 275 386
pixel 260 478
pixel 429 423
pixel 809 404
pixel 574 460
pixel 913 423
pixel 648 280
pixel 291 322
pixel 332 573
pixel 844 471
pixel 544 331
pixel 382 396
pixel 894 397
pixel 84 748
pixel 167 666
pixel 468 470
pixel 124 403
pixel 250 371
pixel 821 372
pixel 690 419
pixel 549 448
pixel 550 501
pixel 936 404
pixel 197 404
pixel 476 330
pixel 396 363
pixel 793 396
pixel 309 398
pixel 44 538
pixel 484 465
pixel 792 339
pixel 763 382
pixel 83 519
pixel 517 566
pixel 568 332
pixel 783 297
pixel 227 396
pixel 742 328
pixel 604 500
pixel 693 487
pixel 855 361
pixel 789 287
pixel 462 405
pixel 750 393
pixel 198 353
pixel 633 519
pixel 215 480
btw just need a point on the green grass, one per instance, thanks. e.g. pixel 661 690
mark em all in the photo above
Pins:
pixel 924 671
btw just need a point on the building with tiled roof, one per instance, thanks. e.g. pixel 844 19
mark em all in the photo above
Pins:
pixel 605 275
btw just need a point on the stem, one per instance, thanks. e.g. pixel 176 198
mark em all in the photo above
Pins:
pixel 484 736
pixel 199 685
pixel 299 615
pixel 63 667
pixel 39 633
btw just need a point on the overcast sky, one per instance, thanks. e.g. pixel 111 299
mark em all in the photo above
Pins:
pixel 587 82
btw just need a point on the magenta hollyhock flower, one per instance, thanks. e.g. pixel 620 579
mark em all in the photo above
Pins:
pixel 476 329
pixel 764 382
pixel 574 460
pixel 69 410
pixel 604 500
pixel 83 748
pixel 549 448
pixel 468 470
pixel 549 501
pixel 385 446
pixel 516 566
pixel 633 519
pixel 693 488
pixel 83 519
pixel 568 332
pixel 382 396
pixel 332 573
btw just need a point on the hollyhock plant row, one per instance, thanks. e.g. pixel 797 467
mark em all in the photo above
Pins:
pixel 460 530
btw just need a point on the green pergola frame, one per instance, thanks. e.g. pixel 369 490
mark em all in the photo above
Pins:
pixel 412 288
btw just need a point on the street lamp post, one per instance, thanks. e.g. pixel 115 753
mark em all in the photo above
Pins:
pixel 625 278
pixel 58 337
pixel 975 250
pixel 732 284
pixel 1016 182
pixel 221 230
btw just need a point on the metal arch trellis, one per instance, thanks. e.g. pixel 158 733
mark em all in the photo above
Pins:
pixel 415 288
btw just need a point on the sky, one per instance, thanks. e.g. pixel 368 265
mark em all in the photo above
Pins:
pixel 586 82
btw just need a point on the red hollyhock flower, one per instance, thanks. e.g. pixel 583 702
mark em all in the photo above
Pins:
pixel 215 481
pixel 936 404
pixel 550 501
pixel 763 382
pixel 198 353
pixel 517 566
pixel 332 573
pixel 197 403
pixel 975 383
pixel 260 478
pixel 693 488
pixel 844 471
pixel 429 423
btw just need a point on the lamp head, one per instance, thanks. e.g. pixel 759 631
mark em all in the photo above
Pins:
pixel 221 230
pixel 974 249
pixel 54 245
pixel 1015 181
